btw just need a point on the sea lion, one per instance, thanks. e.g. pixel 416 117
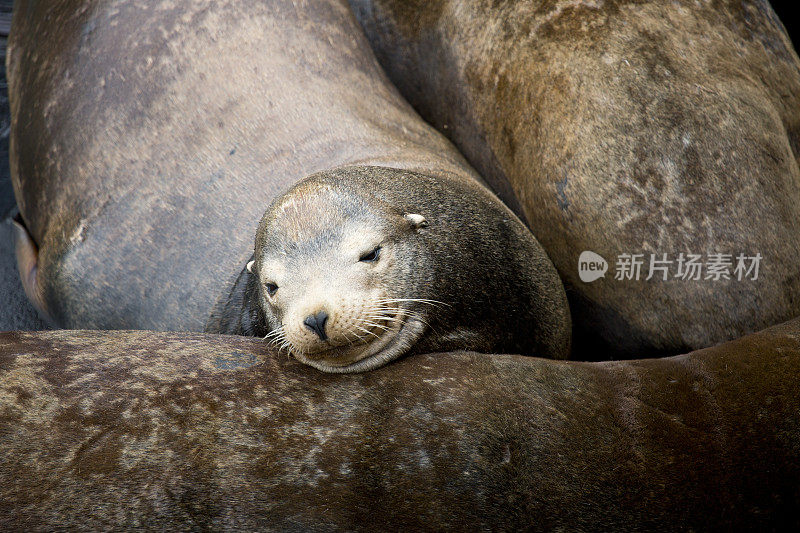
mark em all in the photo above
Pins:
pixel 642 128
pixel 148 139
pixel 356 266
pixel 177 431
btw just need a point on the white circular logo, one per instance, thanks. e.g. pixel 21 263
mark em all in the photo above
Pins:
pixel 591 266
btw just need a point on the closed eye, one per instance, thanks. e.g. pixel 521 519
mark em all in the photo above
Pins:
pixel 371 257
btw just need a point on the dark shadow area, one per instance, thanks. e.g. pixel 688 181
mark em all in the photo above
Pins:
pixel 787 12
pixel 6 195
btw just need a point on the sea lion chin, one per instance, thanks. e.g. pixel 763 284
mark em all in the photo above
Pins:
pixel 370 353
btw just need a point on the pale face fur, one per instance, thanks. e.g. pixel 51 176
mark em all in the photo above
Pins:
pixel 323 252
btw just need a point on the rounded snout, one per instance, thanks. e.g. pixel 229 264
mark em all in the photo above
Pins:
pixel 336 324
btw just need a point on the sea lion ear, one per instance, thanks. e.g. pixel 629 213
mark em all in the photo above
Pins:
pixel 250 266
pixel 417 221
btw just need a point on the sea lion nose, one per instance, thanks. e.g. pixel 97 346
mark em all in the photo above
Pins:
pixel 316 323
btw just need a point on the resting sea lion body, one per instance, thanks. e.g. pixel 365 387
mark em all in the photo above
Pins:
pixel 645 128
pixel 167 431
pixel 148 139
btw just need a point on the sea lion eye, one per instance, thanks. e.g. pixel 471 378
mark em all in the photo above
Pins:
pixel 372 256
pixel 271 288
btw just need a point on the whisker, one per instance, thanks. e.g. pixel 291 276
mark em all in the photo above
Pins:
pixel 419 300
pixel 286 346
pixel 417 316
pixel 274 333
pixel 359 337
pixel 375 325
pixel 407 313
pixel 368 331
pixel 383 317
pixel 275 336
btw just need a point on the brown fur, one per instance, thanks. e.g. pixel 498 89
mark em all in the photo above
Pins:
pixel 623 127
pixel 102 430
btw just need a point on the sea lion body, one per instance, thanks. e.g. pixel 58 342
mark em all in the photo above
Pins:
pixel 148 139
pixel 167 431
pixel 645 128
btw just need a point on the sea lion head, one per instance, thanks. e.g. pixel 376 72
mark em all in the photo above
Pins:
pixel 335 270
pixel 357 266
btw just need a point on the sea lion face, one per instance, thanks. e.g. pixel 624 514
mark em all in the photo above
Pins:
pixel 335 276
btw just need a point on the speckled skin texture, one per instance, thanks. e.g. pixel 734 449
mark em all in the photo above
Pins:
pixel 148 138
pixel 623 127
pixel 190 431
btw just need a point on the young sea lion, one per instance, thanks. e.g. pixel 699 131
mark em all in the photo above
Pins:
pixel 147 140
pixel 647 132
pixel 356 266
